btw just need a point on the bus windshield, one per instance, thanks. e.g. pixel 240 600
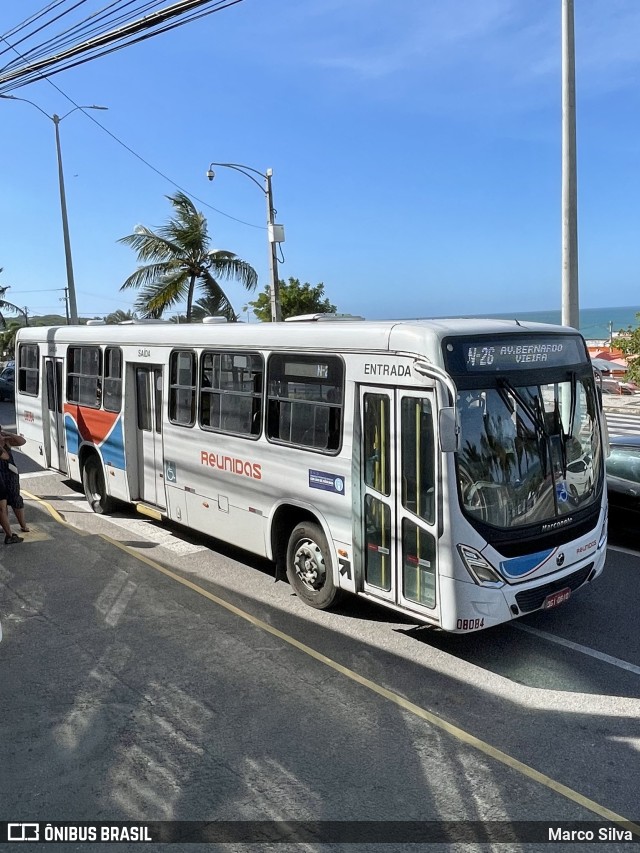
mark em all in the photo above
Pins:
pixel 529 454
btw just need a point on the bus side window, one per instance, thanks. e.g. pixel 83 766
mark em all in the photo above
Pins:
pixel 304 405
pixel 28 369
pixel 182 387
pixel 230 392
pixel 84 376
pixel 112 399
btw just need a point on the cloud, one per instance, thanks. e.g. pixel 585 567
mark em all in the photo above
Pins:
pixel 515 43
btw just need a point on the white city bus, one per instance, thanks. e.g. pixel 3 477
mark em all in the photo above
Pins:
pixel 450 469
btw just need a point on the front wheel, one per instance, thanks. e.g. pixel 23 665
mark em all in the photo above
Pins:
pixel 309 566
pixel 94 487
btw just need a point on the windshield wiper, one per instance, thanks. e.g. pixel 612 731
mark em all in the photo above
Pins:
pixel 530 412
pixel 562 439
pixel 574 401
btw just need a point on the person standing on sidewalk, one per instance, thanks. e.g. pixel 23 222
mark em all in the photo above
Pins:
pixel 11 485
pixel 10 538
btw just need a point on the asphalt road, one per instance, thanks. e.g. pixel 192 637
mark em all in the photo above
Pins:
pixel 149 673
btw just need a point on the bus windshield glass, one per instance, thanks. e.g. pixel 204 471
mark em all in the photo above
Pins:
pixel 529 454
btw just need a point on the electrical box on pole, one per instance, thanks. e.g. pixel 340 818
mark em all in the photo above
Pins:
pixel 276 233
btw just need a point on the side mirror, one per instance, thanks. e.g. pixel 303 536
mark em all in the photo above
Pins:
pixel 448 430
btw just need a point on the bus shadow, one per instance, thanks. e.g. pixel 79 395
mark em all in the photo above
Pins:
pixel 523 658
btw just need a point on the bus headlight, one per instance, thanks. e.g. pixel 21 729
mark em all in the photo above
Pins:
pixel 480 569
pixel 603 532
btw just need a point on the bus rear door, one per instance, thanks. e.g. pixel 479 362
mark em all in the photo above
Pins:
pixel 148 385
pixel 53 432
pixel 398 486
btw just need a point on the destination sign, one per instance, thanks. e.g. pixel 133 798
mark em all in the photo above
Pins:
pixel 508 353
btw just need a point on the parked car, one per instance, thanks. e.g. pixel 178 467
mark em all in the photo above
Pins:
pixel 8 384
pixel 623 473
pixel 579 474
pixel 617 386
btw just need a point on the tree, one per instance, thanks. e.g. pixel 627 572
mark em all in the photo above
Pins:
pixel 119 316
pixel 178 256
pixel 629 343
pixel 208 306
pixel 8 338
pixel 295 298
pixel 4 304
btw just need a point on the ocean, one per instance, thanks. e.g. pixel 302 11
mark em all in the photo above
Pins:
pixel 594 322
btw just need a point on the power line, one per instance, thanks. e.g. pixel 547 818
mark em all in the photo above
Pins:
pixel 45 290
pixel 32 18
pixel 43 26
pixel 86 28
pixel 97 46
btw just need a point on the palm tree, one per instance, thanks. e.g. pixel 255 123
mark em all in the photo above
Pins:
pixel 208 306
pixel 8 338
pixel 178 256
pixel 119 316
pixel 5 304
pixel 212 305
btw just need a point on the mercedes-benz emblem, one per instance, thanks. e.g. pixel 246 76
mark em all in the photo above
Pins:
pixel 560 559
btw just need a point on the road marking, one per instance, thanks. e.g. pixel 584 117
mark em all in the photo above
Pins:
pixel 400 701
pixel 54 512
pixel 622 550
pixel 585 650
pixel 451 729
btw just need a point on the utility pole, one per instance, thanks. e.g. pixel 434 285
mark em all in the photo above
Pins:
pixel 570 301
pixel 276 313
pixel 66 303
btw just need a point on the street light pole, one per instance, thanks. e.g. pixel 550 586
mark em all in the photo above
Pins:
pixel 570 302
pixel 275 233
pixel 71 287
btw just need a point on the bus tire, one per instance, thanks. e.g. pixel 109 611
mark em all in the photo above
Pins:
pixel 309 566
pixel 95 490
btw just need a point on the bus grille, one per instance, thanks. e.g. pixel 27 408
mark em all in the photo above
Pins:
pixel 532 599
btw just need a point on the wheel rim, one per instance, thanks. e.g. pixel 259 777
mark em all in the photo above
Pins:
pixel 309 564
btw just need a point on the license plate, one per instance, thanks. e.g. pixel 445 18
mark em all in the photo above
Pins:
pixel 556 598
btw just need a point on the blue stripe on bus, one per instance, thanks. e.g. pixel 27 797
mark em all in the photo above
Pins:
pixel 517 567
pixel 113 446
pixel 72 434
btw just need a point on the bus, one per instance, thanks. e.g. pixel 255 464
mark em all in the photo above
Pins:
pixel 452 470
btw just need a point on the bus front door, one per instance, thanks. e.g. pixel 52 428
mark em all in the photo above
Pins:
pixel 399 505
pixel 148 384
pixel 55 449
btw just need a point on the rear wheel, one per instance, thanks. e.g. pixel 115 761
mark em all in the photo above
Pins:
pixel 94 487
pixel 309 566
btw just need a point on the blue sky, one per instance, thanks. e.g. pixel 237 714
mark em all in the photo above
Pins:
pixel 415 148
